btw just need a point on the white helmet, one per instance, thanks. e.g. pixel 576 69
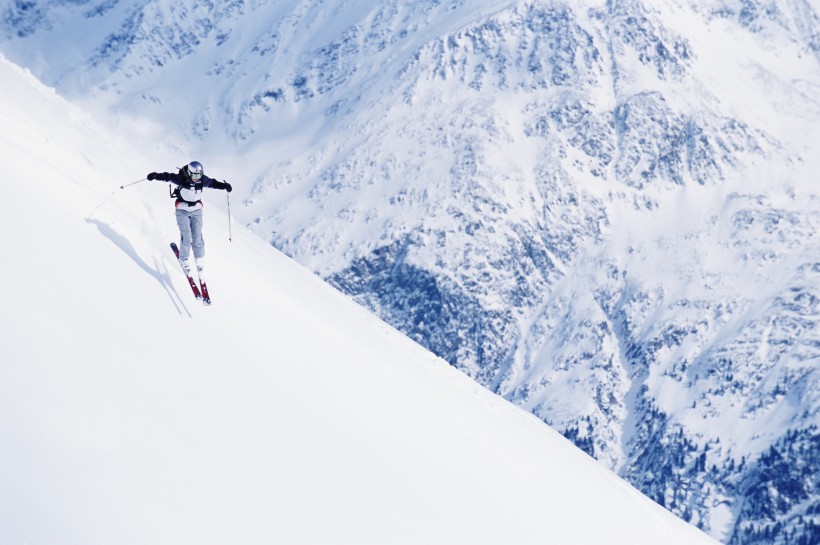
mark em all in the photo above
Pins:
pixel 195 170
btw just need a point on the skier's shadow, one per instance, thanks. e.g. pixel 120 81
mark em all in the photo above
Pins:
pixel 125 245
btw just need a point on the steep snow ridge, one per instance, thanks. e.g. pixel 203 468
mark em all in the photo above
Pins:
pixel 604 211
pixel 683 293
pixel 131 414
pixel 246 69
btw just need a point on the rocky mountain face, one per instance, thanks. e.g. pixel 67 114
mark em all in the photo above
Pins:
pixel 604 211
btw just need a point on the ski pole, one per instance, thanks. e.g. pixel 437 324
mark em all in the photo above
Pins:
pixel 132 183
pixel 230 236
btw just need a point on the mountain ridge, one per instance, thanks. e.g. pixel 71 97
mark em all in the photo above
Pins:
pixel 131 413
pixel 587 207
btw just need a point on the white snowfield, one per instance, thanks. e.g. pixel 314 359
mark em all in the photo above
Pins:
pixel 284 413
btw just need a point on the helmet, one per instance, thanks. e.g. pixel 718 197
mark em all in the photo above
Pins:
pixel 195 170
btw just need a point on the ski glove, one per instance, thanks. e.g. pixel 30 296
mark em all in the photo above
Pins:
pixel 228 187
pixel 153 176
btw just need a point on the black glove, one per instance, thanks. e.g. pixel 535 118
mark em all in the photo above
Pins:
pixel 228 187
pixel 153 176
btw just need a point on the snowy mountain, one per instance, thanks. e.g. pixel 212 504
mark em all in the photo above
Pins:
pixel 284 413
pixel 606 212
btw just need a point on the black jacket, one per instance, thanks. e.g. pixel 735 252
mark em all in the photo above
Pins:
pixel 183 181
pixel 188 191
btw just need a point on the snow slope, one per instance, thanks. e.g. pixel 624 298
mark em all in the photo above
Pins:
pixel 604 210
pixel 283 413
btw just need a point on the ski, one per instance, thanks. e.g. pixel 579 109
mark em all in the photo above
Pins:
pixel 194 287
pixel 203 288
pixel 206 299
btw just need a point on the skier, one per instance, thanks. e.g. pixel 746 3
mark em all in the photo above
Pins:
pixel 190 181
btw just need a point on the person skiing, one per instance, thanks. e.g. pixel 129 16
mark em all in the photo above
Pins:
pixel 190 181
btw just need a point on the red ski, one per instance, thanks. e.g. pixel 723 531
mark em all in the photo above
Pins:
pixel 205 297
pixel 194 288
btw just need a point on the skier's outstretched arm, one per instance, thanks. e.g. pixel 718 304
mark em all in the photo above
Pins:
pixel 210 182
pixel 166 177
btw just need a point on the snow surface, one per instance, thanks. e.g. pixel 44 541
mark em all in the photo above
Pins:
pixel 285 413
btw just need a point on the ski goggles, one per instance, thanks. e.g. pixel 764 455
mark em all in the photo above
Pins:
pixel 196 175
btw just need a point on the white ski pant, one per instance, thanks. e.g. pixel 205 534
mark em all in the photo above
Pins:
pixel 190 233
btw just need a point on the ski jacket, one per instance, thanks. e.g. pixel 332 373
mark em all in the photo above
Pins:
pixel 189 194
